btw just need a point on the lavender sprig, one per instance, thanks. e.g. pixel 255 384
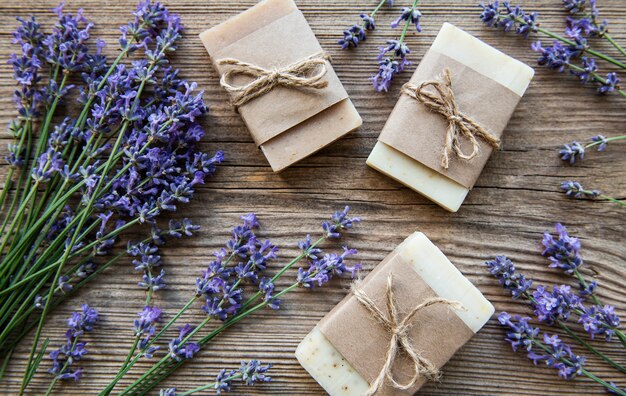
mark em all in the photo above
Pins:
pixel 148 261
pixel 573 189
pixel 574 152
pixel 392 57
pixel 358 32
pixel 249 373
pixel 73 350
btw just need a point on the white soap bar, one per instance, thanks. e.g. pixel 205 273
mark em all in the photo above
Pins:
pixel 433 185
pixel 484 59
pixel 326 365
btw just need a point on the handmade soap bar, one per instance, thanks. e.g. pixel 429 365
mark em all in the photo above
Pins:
pixel 487 86
pixel 346 350
pixel 288 122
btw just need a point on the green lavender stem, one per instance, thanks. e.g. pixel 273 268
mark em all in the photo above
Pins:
pixel 211 385
pixel 374 11
pixel 611 139
pixel 614 43
pixel 408 23
pixel 69 249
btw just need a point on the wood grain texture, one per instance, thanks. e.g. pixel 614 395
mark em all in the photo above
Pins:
pixel 515 200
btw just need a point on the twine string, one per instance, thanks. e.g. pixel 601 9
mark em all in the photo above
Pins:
pixel 442 101
pixel 400 340
pixel 305 73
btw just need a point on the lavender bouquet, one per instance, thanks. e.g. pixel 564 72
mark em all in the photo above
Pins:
pixel 238 269
pixel 75 186
pixel 556 307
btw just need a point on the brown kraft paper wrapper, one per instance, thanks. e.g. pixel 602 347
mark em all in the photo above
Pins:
pixel 437 332
pixel 419 133
pixel 272 34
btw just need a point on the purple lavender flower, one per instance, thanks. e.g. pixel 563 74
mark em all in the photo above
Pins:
pixel 177 351
pixel 352 37
pixel 67 45
pixel 491 13
pixel 26 68
pixel 167 392
pixel 322 270
pixel 266 286
pixel 556 57
pixel 560 357
pixel 551 307
pixel 368 22
pixel 574 6
pixel 589 67
pixel 306 247
pixel 150 281
pixel 411 14
pixel 504 270
pixel 253 372
pixel 223 381
pixel 72 351
pixel 387 69
pixel 521 334
pixel 575 190
pixel 564 252
pixel 148 318
pixel 250 372
pixel 610 83
pixel 145 327
pixel 600 320
pixel 602 140
pixel 508 18
pixel 339 221
pixel 572 152
pixel 396 47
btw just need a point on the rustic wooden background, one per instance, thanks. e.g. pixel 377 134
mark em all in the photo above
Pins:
pixel 515 200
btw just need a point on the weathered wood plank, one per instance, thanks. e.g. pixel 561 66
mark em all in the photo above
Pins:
pixel 515 200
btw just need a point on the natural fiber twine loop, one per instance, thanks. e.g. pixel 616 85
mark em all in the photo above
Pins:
pixel 306 73
pixel 460 125
pixel 400 340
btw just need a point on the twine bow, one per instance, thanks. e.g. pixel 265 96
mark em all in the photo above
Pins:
pixel 307 73
pixel 400 340
pixel 459 125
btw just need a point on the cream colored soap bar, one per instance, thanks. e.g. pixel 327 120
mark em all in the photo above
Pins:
pixel 484 59
pixel 326 365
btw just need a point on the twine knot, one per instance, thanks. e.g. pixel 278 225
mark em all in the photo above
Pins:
pixel 305 73
pixel 459 125
pixel 400 340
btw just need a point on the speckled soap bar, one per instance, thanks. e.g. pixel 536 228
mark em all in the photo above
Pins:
pixel 338 376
